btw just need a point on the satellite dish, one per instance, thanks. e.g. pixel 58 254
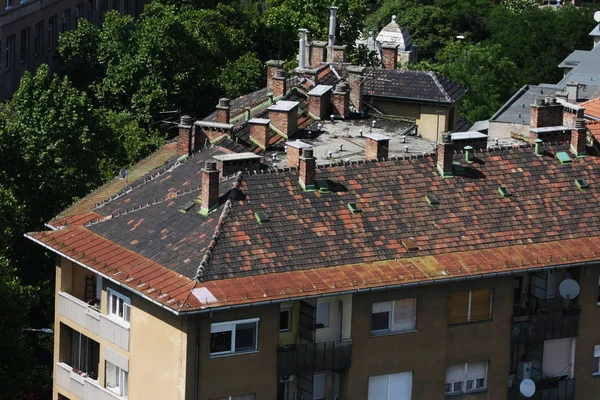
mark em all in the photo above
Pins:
pixel 569 289
pixel 597 16
pixel 527 387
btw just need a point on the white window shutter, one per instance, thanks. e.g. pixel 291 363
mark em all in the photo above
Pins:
pixel 597 350
pixel 319 386
pixel 378 387
pixel 385 306
pixel 404 315
pixel 400 386
pixel 476 370
pixel 455 373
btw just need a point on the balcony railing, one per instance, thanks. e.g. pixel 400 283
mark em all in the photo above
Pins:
pixel 546 326
pixel 314 357
pixel 83 387
pixel 83 315
pixel 550 389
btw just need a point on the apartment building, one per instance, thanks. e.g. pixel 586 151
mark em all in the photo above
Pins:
pixel 29 31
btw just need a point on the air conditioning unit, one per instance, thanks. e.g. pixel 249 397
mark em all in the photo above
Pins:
pixel 291 378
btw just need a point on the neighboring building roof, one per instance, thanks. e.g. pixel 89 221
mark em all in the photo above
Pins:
pixel 595 31
pixel 394 33
pixel 517 110
pixel 312 243
pixel 413 85
pixel 592 108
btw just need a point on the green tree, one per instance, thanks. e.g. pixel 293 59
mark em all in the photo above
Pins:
pixel 243 75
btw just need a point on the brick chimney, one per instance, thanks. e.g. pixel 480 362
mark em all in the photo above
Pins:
pixel 230 164
pixel 284 117
pixel 355 78
pixel 210 187
pixel 389 56
pixel 376 146
pixel 546 113
pixel 578 138
pixel 319 101
pixel 185 141
pixel 318 53
pixel 223 110
pixel 259 132
pixel 294 150
pixel 445 153
pixel 571 113
pixel 272 66
pixel 341 100
pixel 278 84
pixel 336 54
pixel 307 167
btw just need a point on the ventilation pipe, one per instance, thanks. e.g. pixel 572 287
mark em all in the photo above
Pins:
pixel 302 49
pixel 332 22
pixel 538 145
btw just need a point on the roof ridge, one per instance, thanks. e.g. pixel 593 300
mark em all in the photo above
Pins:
pixel 434 76
pixel 200 272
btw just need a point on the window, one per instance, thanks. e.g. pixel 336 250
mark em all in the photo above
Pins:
pixel 249 396
pixel 10 50
pixel 9 4
pixel 66 20
pixel 323 314
pixel 103 9
pixel 126 6
pixel 78 12
pixel 285 319
pixel 551 284
pixel 52 32
pixel 24 44
pixel 466 378
pixel 319 386
pixel 92 5
pixel 119 306
pixel 38 38
pixel 390 387
pixel 116 379
pixel 115 5
pixel 234 337
pixel 394 316
pixel 475 305
pixel 85 354
pixel 598 299
pixel 596 365
pixel 557 358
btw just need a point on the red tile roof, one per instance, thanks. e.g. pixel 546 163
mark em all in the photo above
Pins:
pixel 592 107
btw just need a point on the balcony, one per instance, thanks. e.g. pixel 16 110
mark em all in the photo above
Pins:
pixel 85 316
pixel 548 389
pixel 314 357
pixel 81 386
pixel 545 326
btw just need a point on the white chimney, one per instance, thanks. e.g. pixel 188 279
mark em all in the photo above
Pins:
pixel 332 14
pixel 302 49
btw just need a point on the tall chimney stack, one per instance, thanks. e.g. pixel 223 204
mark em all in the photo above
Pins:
pixel 223 110
pixel 308 168
pixel 302 49
pixel 185 141
pixel 210 187
pixel 578 138
pixel 445 151
pixel 332 22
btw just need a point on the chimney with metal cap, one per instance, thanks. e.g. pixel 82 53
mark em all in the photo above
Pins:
pixel 332 23
pixel 578 138
pixel 210 187
pixel 223 110
pixel 341 99
pixel 302 49
pixel 279 84
pixel 546 112
pixel 185 140
pixel 445 153
pixel 272 66
pixel 308 167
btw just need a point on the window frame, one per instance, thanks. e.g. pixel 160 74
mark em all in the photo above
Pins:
pixel 596 361
pixel 322 302
pixel 288 309
pixel 390 329
pixel 10 51
pixel 598 293
pixel 52 31
pixel 463 384
pixel 24 56
pixel 122 380
pixel 126 318
pixel 230 326
pixel 9 5
pixel 469 308
pixel 38 40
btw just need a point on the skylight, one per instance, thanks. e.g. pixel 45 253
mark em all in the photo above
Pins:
pixel 581 183
pixel 261 217
pixel 432 199
pixel 187 206
pixel 354 208
pixel 410 245
pixel 563 157
pixel 504 192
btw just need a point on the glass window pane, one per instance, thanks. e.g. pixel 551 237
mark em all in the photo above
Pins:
pixel 457 386
pixel 113 304
pixel 126 311
pixel 380 321
pixel 323 314
pixel 479 383
pixel 245 337
pixel 284 320
pixel 220 342
pixel 470 383
pixel 112 378
pixel 319 387
pixel 125 383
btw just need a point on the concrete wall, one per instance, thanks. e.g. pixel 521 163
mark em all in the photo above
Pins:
pixel 242 373
pixel 504 129
pixel 435 345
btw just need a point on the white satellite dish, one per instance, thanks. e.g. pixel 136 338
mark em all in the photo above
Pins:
pixel 569 289
pixel 597 16
pixel 527 387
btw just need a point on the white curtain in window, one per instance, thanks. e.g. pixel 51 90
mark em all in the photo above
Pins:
pixel 597 350
pixel 400 386
pixel 455 373
pixel 404 315
pixel 476 370
pixel 378 387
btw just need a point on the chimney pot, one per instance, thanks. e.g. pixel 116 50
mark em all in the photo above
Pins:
pixel 210 166
pixel 307 153
pixel 468 154
pixel 446 138
pixel 186 120
pixel 223 110
pixel 307 169
pixel 224 102
pixel 538 144
pixel 578 138
pixel 332 23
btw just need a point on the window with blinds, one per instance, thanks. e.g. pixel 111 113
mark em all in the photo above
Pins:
pixel 390 387
pixel 475 305
pixel 466 378
pixel 394 316
pixel 596 365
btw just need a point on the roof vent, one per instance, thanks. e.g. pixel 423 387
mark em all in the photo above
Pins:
pixel 432 199
pixel 563 157
pixel 354 208
pixel 261 217
pixel 581 183
pixel 410 245
pixel 187 206
pixel 504 192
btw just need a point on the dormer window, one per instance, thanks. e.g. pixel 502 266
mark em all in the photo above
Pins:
pixel 119 306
